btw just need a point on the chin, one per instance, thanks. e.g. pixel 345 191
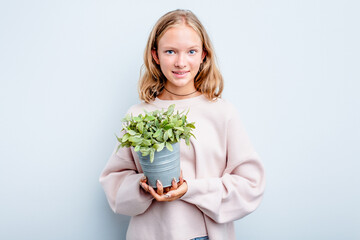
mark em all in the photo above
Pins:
pixel 180 83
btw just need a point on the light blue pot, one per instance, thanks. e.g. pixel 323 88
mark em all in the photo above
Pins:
pixel 165 167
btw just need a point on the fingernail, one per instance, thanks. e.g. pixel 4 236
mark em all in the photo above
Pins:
pixel 174 179
pixel 158 182
pixel 167 195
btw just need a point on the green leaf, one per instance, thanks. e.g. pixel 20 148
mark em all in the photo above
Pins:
pixel 168 126
pixel 137 119
pixel 157 133
pixel 152 154
pixel 135 139
pixel 132 132
pixel 183 118
pixel 145 151
pixel 164 122
pixel 166 136
pixel 161 147
pixel 137 148
pixel 191 125
pixel 157 124
pixel 187 141
pixel 179 128
pixel 127 144
pixel 170 133
pixel 146 142
pixel 178 123
pixel 147 135
pixel 193 135
pixel 125 137
pixel 169 147
pixel 117 149
pixel 149 118
pixel 140 127
pixel 160 138
pixel 170 109
pixel 119 139
pixel 155 112
pixel 187 130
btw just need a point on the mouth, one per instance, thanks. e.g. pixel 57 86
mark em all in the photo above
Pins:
pixel 180 73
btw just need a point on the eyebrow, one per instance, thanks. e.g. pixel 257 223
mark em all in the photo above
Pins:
pixel 170 47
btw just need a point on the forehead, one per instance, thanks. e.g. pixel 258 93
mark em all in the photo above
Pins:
pixel 180 36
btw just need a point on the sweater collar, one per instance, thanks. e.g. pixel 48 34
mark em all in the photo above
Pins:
pixel 182 103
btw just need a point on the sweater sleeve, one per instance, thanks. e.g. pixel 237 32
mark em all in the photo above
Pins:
pixel 120 181
pixel 239 190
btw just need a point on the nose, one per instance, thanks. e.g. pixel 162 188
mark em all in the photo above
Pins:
pixel 180 61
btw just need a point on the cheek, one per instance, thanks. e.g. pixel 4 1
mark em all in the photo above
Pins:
pixel 195 63
pixel 165 65
pixel 165 62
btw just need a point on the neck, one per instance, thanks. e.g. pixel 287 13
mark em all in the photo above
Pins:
pixel 168 94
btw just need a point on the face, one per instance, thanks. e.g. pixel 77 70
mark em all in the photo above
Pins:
pixel 179 55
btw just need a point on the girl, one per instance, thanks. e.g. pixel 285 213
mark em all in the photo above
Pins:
pixel 223 179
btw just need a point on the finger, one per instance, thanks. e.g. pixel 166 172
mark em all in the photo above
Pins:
pixel 174 185
pixel 144 186
pixel 170 196
pixel 140 183
pixel 181 179
pixel 160 198
pixel 159 187
pixel 143 179
pixel 153 193
pixel 176 194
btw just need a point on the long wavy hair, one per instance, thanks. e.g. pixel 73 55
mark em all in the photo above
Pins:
pixel 208 81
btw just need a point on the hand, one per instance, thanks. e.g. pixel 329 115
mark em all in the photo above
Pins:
pixel 176 191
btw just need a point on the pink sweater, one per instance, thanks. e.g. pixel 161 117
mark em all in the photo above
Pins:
pixel 224 175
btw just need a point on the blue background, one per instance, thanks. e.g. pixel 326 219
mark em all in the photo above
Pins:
pixel 69 72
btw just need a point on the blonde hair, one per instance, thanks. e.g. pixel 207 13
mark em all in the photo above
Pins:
pixel 208 81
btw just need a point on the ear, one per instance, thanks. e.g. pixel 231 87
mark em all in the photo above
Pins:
pixel 154 55
pixel 203 55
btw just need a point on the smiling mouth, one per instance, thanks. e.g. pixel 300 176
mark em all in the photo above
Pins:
pixel 180 73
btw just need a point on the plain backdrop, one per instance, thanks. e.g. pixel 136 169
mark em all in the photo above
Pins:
pixel 69 72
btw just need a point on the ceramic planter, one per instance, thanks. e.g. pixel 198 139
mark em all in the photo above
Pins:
pixel 165 167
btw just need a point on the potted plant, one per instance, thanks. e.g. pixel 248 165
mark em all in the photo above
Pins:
pixel 155 137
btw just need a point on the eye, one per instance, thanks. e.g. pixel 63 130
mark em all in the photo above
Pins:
pixel 169 52
pixel 192 52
